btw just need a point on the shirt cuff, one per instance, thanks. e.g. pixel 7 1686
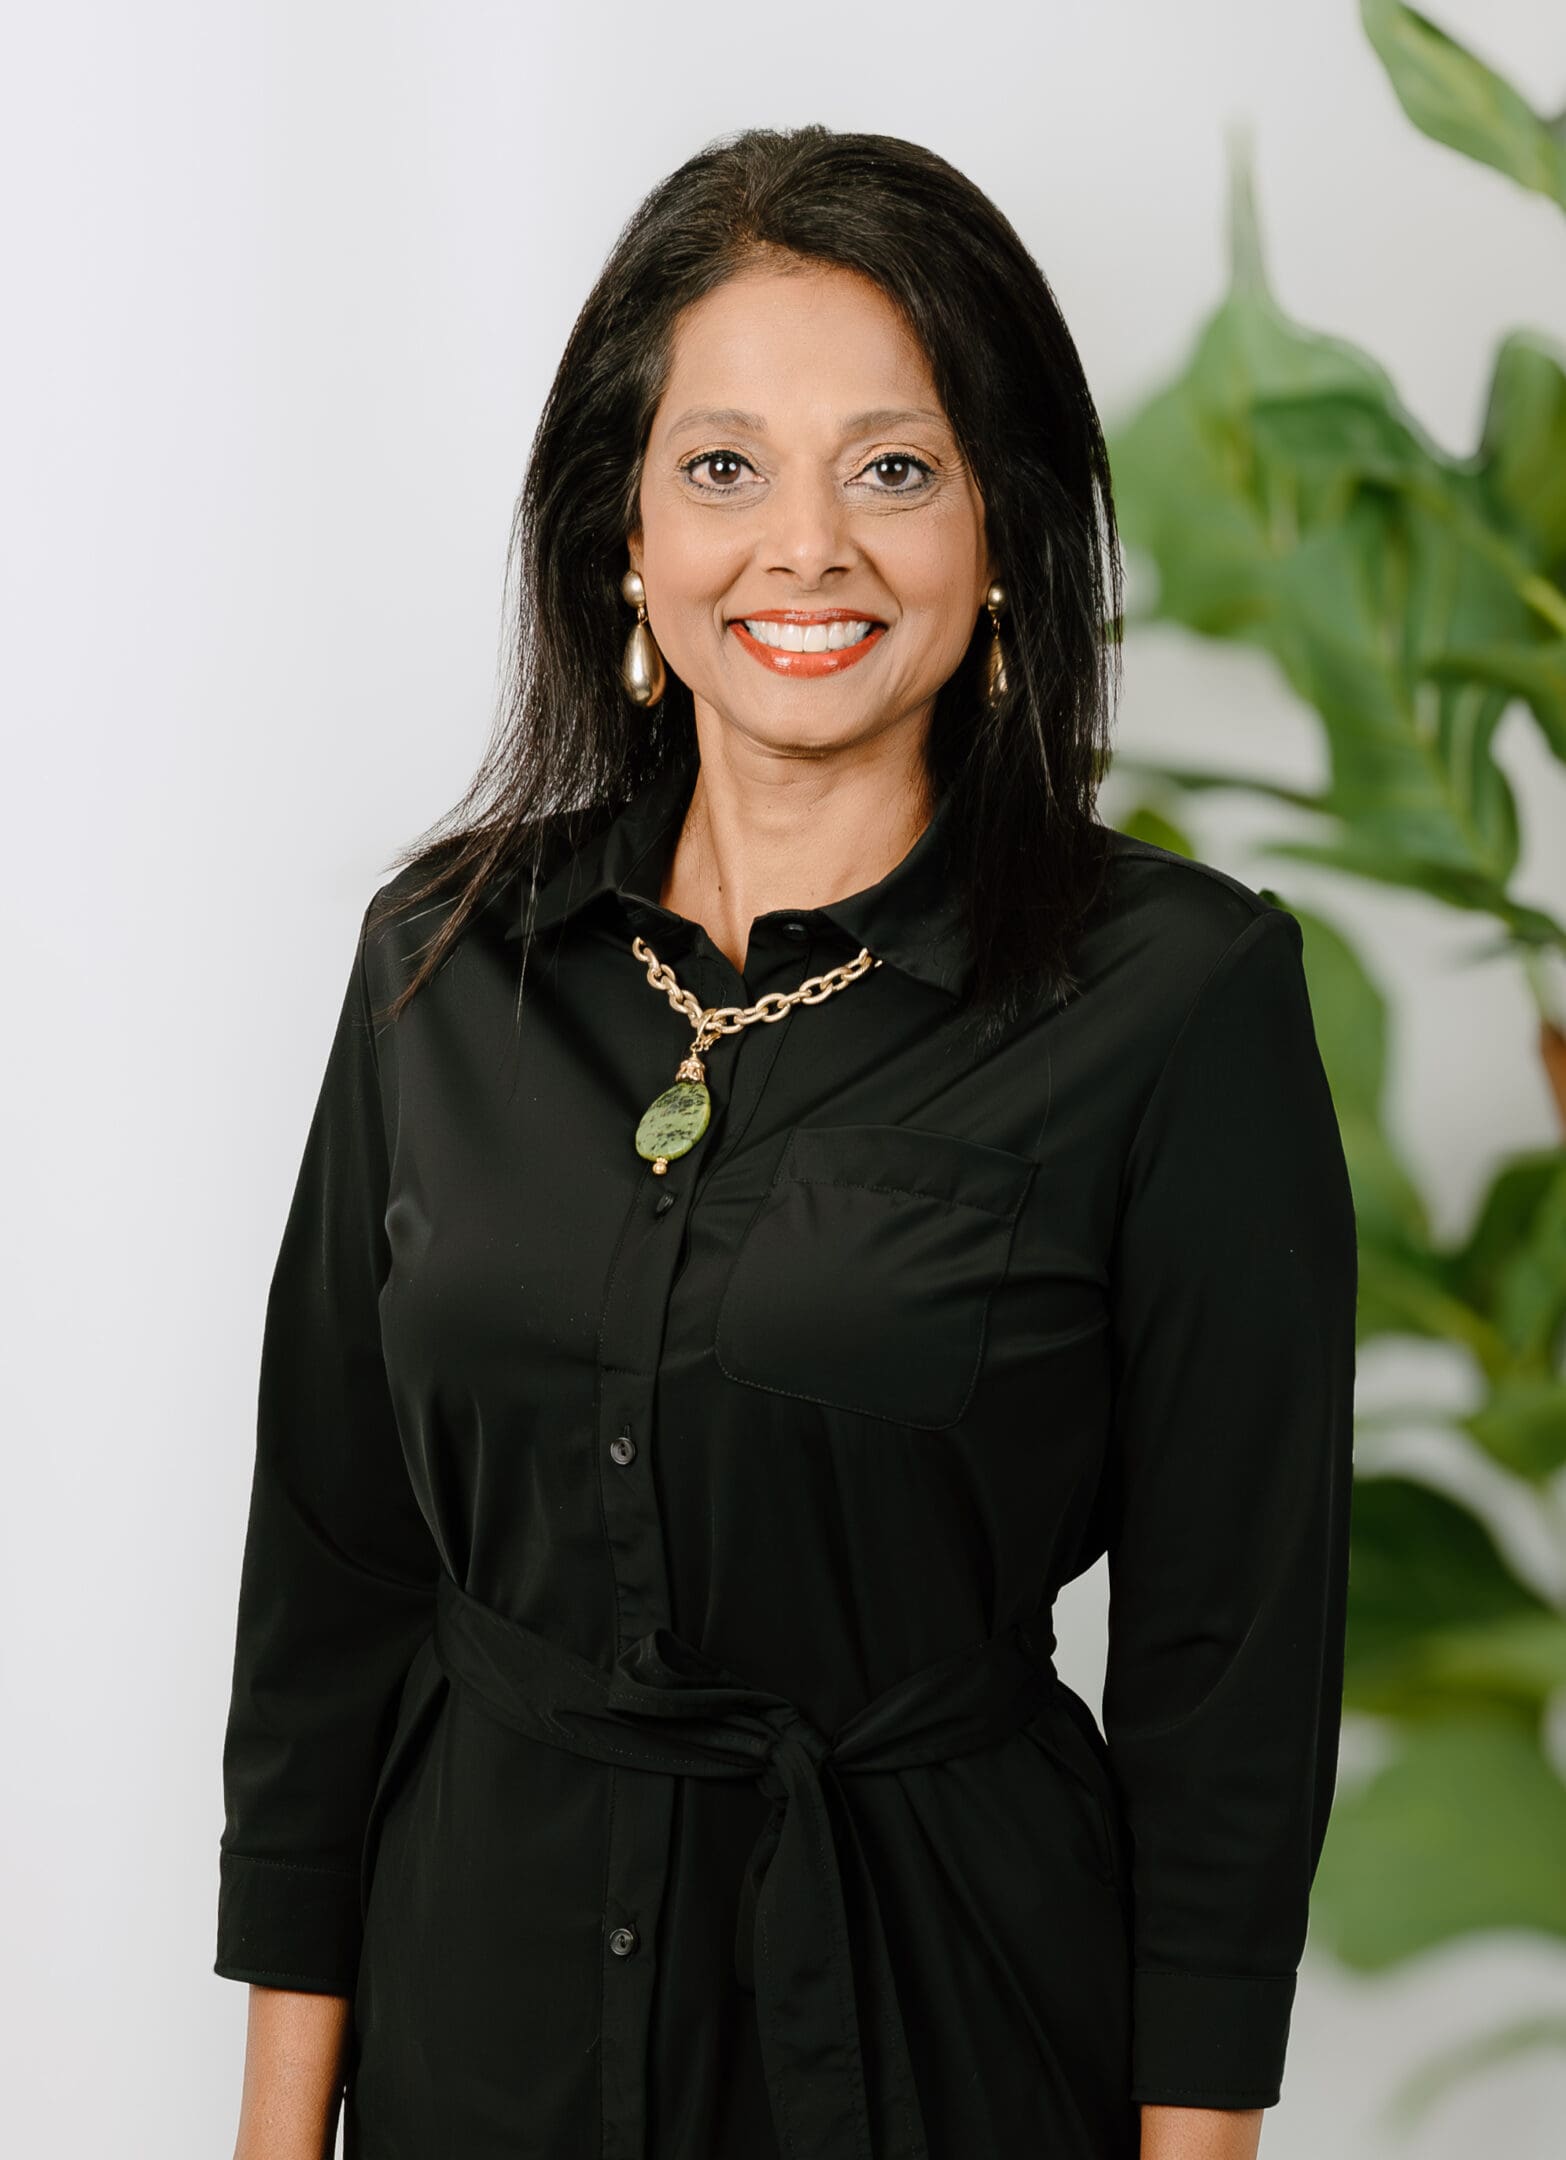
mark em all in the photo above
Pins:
pixel 1209 2039
pixel 288 1924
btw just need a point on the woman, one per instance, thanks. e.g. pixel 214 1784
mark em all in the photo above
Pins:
pixel 672 1439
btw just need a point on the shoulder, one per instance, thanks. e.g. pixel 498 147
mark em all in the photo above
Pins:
pixel 409 909
pixel 1180 899
pixel 404 911
pixel 1173 920
pixel 1172 941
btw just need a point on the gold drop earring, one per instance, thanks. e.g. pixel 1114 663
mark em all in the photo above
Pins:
pixel 641 670
pixel 995 684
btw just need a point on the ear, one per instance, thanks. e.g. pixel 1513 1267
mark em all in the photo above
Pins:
pixel 633 541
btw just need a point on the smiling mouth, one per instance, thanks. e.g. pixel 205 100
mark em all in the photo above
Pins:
pixel 806 651
pixel 802 643
pixel 810 633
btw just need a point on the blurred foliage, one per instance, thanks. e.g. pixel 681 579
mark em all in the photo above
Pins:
pixel 1286 500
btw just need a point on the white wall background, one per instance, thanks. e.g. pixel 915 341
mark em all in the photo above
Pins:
pixel 284 286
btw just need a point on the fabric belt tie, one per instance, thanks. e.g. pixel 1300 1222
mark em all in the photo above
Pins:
pixel 666 1706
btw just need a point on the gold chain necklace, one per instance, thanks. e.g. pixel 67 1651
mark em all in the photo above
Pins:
pixel 674 1121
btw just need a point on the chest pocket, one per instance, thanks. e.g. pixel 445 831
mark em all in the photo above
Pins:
pixel 864 1277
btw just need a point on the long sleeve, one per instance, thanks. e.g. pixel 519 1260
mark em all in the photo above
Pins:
pixel 1235 1283
pixel 339 1568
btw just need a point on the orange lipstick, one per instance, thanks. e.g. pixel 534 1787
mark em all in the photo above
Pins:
pixel 808 665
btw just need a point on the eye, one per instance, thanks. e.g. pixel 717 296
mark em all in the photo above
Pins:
pixel 714 457
pixel 906 460
pixel 726 465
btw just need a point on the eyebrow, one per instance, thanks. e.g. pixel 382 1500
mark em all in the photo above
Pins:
pixel 861 423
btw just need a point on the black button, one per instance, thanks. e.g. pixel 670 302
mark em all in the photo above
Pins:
pixel 794 928
pixel 623 1448
pixel 663 1203
pixel 623 1941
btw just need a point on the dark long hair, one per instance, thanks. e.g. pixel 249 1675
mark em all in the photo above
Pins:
pixel 569 748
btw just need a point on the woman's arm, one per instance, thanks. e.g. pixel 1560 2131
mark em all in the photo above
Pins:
pixel 1231 1471
pixel 337 1582
pixel 1182 2133
pixel 294 2049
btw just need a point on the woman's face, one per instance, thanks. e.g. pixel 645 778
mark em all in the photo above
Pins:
pixel 799 469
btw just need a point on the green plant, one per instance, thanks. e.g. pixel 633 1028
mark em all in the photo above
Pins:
pixel 1286 500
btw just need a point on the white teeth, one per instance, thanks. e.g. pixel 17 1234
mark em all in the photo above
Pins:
pixel 809 637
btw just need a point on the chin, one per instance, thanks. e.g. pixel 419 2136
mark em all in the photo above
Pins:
pixel 796 741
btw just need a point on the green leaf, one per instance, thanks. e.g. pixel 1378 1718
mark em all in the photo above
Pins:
pixel 1343 437
pixel 1402 1291
pixel 1192 490
pixel 1501 1294
pixel 1361 602
pixel 1358 854
pixel 1512 1267
pixel 1522 1186
pixel 1464 1831
pixel 1523 1426
pixel 1522 453
pixel 1536 673
pixel 1350 1017
pixel 1435 1613
pixel 1290 502
pixel 1453 97
pixel 1523 1658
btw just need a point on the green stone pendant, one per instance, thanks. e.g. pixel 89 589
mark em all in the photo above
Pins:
pixel 673 1122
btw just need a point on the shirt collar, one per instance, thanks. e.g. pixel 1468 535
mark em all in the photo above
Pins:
pixel 911 918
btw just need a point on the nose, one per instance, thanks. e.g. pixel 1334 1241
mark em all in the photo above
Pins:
pixel 806 531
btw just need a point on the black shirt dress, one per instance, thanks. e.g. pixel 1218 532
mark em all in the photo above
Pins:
pixel 643 1702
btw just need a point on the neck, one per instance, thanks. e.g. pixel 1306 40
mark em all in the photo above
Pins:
pixel 772 828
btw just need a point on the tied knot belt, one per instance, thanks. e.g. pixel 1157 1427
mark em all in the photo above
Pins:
pixel 666 1706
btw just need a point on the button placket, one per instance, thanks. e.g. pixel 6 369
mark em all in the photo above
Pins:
pixel 641 1819
pixel 754 1052
pixel 631 1332
pixel 641 1805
